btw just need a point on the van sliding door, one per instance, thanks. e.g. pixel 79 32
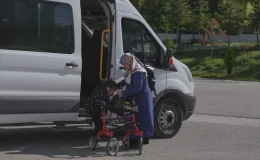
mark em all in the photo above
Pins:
pixel 40 64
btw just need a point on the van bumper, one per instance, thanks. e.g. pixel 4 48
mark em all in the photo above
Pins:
pixel 189 105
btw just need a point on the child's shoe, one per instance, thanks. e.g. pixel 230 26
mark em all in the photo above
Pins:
pixel 98 146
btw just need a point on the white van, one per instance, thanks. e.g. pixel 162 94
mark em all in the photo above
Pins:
pixel 54 52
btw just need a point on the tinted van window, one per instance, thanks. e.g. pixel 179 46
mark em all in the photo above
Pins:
pixel 36 25
pixel 137 38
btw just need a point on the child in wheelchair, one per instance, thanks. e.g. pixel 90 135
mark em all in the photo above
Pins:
pixel 101 93
pixel 125 109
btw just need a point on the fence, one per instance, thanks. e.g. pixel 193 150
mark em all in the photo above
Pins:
pixel 243 38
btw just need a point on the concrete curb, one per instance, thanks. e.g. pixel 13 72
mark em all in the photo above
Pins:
pixel 223 80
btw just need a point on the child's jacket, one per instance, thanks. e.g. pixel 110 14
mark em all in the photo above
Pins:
pixel 90 102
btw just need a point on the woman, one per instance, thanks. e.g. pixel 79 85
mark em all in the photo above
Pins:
pixel 135 80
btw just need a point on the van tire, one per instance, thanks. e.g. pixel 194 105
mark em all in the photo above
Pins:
pixel 170 107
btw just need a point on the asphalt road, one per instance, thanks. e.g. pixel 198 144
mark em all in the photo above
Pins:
pixel 202 137
pixel 195 141
pixel 228 98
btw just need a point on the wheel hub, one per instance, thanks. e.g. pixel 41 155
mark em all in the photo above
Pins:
pixel 166 118
pixel 169 118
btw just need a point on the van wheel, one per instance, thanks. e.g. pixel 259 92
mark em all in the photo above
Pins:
pixel 168 118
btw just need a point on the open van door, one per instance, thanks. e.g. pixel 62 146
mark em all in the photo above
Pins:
pixel 134 35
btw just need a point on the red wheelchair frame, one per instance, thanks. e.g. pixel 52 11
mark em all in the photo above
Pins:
pixel 106 132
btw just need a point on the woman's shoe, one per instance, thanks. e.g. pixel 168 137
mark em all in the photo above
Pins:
pixel 98 146
pixel 133 143
pixel 145 140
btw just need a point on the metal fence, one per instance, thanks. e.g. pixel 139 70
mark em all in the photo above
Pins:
pixel 243 38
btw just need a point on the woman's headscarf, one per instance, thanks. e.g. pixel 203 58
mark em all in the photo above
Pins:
pixel 129 59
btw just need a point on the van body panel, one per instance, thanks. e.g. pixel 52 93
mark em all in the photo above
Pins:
pixel 179 79
pixel 160 75
pixel 41 82
pixel 37 118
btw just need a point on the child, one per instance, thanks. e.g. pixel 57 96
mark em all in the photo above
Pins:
pixel 102 92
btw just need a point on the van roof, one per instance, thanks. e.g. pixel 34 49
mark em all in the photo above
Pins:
pixel 126 6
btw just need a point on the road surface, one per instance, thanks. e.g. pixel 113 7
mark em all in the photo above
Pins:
pixel 213 133
pixel 196 140
pixel 228 98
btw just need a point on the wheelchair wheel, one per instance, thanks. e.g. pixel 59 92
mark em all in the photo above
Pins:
pixel 140 145
pixel 112 147
pixel 92 143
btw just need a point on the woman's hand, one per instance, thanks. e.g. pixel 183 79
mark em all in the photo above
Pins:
pixel 119 86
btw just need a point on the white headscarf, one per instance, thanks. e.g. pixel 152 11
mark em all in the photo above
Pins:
pixel 129 59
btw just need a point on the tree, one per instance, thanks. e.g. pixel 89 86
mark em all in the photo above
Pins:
pixel 256 17
pixel 230 60
pixel 211 31
pixel 213 7
pixel 248 11
pixel 157 13
pixel 200 16
pixel 169 43
pixel 167 15
pixel 180 17
pixel 231 16
pixel 138 4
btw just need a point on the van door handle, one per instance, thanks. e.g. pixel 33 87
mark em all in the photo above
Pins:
pixel 72 64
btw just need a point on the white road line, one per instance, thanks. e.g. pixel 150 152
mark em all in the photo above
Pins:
pixel 225 120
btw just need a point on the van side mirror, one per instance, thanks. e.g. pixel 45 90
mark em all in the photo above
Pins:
pixel 168 58
pixel 168 55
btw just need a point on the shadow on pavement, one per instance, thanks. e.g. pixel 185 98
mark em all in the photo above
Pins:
pixel 54 143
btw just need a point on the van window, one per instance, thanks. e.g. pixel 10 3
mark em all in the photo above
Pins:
pixel 137 38
pixel 36 25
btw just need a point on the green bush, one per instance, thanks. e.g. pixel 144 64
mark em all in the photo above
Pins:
pixel 246 64
pixel 251 62
pixel 169 43
pixel 213 65
pixel 230 60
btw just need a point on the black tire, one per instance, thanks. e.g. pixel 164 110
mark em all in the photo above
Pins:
pixel 127 144
pixel 175 109
pixel 140 144
pixel 115 149
pixel 92 143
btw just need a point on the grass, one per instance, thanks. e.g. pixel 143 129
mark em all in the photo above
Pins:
pixel 232 44
pixel 202 65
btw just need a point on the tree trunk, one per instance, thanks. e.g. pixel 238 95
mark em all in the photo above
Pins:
pixel 257 38
pixel 257 35
pixel 193 38
pixel 228 40
pixel 178 38
pixel 211 54
pixel 180 44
